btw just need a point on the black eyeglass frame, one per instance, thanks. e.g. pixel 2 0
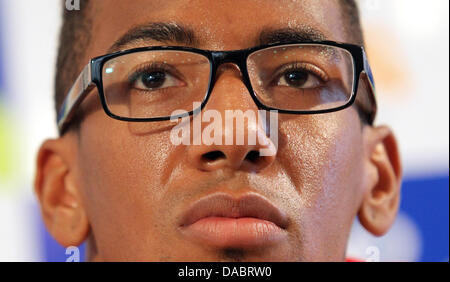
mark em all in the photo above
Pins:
pixel 92 76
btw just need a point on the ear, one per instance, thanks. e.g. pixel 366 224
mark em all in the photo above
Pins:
pixel 381 198
pixel 58 194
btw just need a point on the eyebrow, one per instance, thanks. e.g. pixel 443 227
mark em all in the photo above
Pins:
pixel 162 32
pixel 302 33
pixel 182 35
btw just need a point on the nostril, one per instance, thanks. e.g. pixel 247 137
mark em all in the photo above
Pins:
pixel 252 156
pixel 213 156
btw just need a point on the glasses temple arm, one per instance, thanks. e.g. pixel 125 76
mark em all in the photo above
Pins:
pixel 82 86
pixel 371 83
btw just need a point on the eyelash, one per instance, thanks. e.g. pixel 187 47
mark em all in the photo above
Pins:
pixel 150 67
pixel 310 68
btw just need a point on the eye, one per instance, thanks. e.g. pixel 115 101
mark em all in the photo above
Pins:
pixel 154 80
pixel 155 76
pixel 301 76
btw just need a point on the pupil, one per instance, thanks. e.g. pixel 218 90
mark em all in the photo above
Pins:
pixel 296 78
pixel 153 79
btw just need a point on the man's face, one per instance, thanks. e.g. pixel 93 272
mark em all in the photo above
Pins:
pixel 138 188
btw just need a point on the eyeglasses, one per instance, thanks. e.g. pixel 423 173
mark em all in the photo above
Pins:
pixel 150 83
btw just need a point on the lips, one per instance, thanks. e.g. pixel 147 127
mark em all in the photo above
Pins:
pixel 224 221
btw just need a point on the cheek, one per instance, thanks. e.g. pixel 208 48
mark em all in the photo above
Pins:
pixel 124 173
pixel 327 149
pixel 327 173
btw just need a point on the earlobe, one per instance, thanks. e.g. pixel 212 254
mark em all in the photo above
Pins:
pixel 59 196
pixel 381 198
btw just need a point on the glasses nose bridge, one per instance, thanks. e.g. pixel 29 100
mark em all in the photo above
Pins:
pixel 238 58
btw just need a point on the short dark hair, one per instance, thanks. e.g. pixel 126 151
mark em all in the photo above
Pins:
pixel 74 39
pixel 75 36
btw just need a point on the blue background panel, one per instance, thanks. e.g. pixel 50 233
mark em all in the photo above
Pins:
pixel 426 200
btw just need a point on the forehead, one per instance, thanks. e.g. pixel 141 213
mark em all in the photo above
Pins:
pixel 218 24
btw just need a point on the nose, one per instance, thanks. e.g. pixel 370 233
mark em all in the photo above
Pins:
pixel 241 136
